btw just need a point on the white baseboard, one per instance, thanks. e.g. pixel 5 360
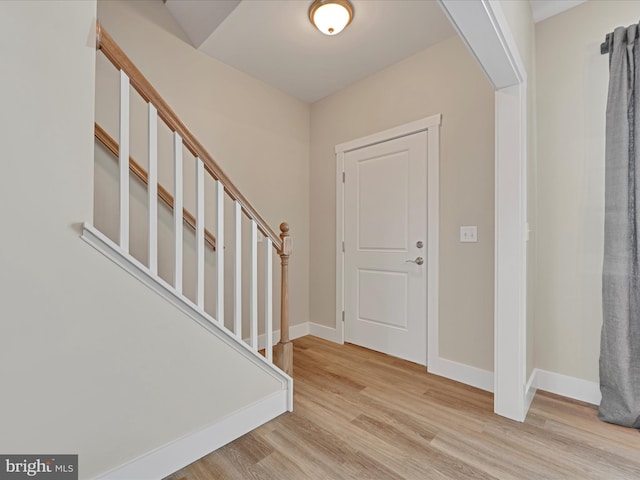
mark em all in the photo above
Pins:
pixel 301 330
pixel 559 384
pixel 295 331
pixel 530 390
pixel 476 377
pixel 322 331
pixel 180 453
pixel 566 386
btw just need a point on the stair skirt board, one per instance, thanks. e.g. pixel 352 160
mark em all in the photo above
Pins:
pixel 111 250
pixel 178 454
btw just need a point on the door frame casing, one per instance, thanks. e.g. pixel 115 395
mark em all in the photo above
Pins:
pixel 431 125
pixel 484 28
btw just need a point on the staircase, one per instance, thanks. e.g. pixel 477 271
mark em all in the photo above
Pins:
pixel 192 274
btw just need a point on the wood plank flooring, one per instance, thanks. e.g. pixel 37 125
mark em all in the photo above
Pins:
pixel 364 415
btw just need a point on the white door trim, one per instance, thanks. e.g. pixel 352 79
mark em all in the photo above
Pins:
pixel 484 28
pixel 432 126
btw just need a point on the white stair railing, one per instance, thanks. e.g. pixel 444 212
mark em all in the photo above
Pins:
pixel 178 234
pixel 123 160
pixel 152 188
pixel 131 77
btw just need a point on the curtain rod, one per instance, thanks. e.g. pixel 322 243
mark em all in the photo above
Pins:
pixel 604 46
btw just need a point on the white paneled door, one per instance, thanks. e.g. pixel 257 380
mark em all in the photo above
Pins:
pixel 385 234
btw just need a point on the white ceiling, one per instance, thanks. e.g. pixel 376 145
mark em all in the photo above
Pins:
pixel 200 18
pixel 543 9
pixel 273 40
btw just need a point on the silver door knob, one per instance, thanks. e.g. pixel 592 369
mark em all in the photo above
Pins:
pixel 418 260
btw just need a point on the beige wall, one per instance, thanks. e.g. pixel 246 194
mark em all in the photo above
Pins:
pixel 572 80
pixel 91 361
pixel 258 135
pixel 443 79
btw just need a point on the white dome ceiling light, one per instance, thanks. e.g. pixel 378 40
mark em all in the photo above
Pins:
pixel 331 16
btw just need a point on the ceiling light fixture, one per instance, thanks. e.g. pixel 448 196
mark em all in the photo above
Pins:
pixel 331 16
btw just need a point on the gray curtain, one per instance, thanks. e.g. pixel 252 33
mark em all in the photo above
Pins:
pixel 620 343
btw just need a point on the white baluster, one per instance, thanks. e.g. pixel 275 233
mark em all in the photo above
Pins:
pixel 152 189
pixel 199 233
pixel 237 291
pixel 123 158
pixel 253 288
pixel 220 251
pixel 177 211
pixel 268 304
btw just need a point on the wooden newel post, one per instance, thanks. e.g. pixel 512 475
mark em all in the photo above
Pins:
pixel 283 355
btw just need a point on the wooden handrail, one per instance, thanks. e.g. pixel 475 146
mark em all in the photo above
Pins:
pixel 119 59
pixel 109 142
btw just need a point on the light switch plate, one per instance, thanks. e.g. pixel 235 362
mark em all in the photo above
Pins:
pixel 469 234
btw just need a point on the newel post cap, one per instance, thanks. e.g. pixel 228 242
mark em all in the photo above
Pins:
pixel 287 241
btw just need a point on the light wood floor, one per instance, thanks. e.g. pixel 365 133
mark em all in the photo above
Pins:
pixel 363 415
